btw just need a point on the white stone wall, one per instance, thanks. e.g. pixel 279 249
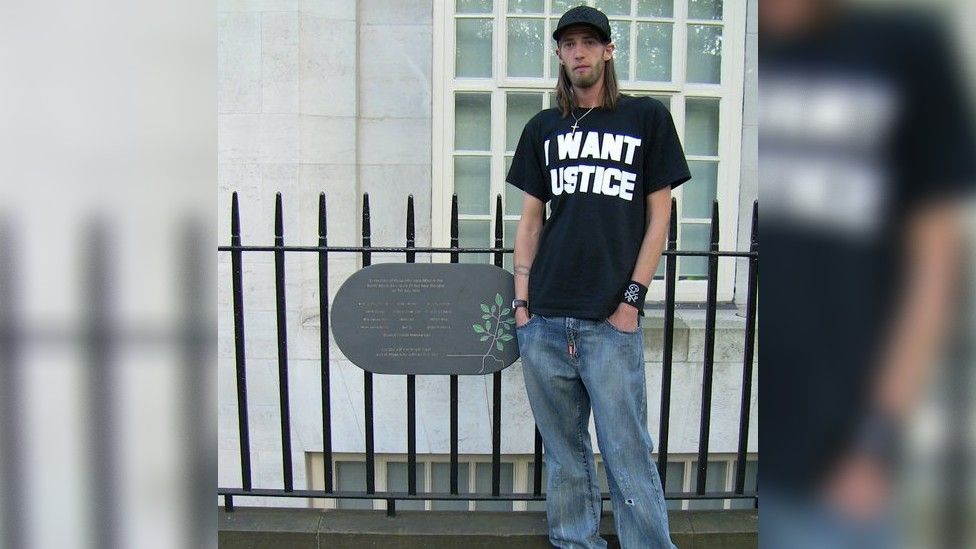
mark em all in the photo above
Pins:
pixel 335 97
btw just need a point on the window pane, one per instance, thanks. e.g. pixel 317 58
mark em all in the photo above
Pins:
pixel 440 481
pixel 601 475
pixel 664 99
pixel 535 505
pixel 520 107
pixel 704 9
pixel 701 126
pixel 473 6
pixel 674 482
pixel 655 8
pixel 614 7
pixel 396 481
pixel 510 227
pixel 654 51
pixel 554 65
pixel 473 55
pixel 621 55
pixel 698 195
pixel 482 479
pixel 705 53
pixel 714 482
pixel 472 121
pixel 560 7
pixel 472 180
pixel 474 234
pixel 351 476
pixel 525 45
pixel 693 237
pixel 513 197
pixel 526 6
pixel 752 470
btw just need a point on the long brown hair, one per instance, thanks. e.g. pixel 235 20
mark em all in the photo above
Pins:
pixel 567 99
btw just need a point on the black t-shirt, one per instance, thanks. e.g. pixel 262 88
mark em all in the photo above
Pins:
pixel 596 182
pixel 882 128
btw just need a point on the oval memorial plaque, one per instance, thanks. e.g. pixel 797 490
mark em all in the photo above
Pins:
pixel 427 318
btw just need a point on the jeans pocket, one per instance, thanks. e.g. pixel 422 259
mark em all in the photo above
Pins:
pixel 623 332
pixel 532 320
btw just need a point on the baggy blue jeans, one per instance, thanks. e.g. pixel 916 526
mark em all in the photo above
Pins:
pixel 571 365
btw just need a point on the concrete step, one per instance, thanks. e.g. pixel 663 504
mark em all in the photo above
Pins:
pixel 263 528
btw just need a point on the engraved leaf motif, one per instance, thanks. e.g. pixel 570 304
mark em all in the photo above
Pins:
pixel 488 325
pixel 498 344
pixel 493 309
pixel 498 299
pixel 485 316
pixel 485 337
pixel 505 311
pixel 485 308
pixel 478 328
pixel 506 337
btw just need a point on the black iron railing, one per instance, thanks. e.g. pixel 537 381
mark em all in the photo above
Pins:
pixel 323 249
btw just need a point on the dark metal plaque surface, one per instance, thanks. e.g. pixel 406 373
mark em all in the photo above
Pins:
pixel 427 318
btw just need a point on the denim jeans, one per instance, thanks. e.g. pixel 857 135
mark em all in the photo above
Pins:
pixel 571 365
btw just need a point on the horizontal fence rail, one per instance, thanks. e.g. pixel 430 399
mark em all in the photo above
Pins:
pixel 498 251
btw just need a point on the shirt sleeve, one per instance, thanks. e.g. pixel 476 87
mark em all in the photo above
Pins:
pixel 936 157
pixel 528 171
pixel 664 161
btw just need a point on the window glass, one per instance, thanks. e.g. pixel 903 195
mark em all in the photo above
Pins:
pixel 526 41
pixel 482 473
pixel 704 9
pixel 704 54
pixel 526 6
pixel 473 6
pixel 474 234
pixel 699 196
pixel 674 483
pixel 701 126
pixel 655 8
pixel 440 482
pixel 536 505
pixel 614 7
pixel 520 107
pixel 716 475
pixel 351 476
pixel 693 237
pixel 752 471
pixel 621 54
pixel 472 121
pixel 396 481
pixel 472 179
pixel 472 56
pixel 654 45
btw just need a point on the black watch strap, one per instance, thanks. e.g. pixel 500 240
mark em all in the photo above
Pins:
pixel 516 303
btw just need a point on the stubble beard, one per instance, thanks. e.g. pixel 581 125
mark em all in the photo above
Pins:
pixel 586 80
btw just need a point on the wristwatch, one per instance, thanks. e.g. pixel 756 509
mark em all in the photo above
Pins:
pixel 516 303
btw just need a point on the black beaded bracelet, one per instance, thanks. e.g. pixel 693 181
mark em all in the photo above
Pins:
pixel 634 294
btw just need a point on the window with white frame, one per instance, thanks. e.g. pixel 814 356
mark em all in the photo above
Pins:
pixel 516 476
pixel 494 68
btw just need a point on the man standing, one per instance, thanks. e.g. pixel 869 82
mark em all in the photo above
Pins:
pixel 606 164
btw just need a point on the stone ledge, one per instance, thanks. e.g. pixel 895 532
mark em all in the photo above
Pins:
pixel 259 528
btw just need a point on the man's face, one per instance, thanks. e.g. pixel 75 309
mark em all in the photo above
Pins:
pixel 583 55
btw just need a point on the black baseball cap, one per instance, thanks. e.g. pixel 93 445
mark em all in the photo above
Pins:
pixel 584 15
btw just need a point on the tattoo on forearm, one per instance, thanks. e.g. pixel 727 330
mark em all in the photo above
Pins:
pixel 521 270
